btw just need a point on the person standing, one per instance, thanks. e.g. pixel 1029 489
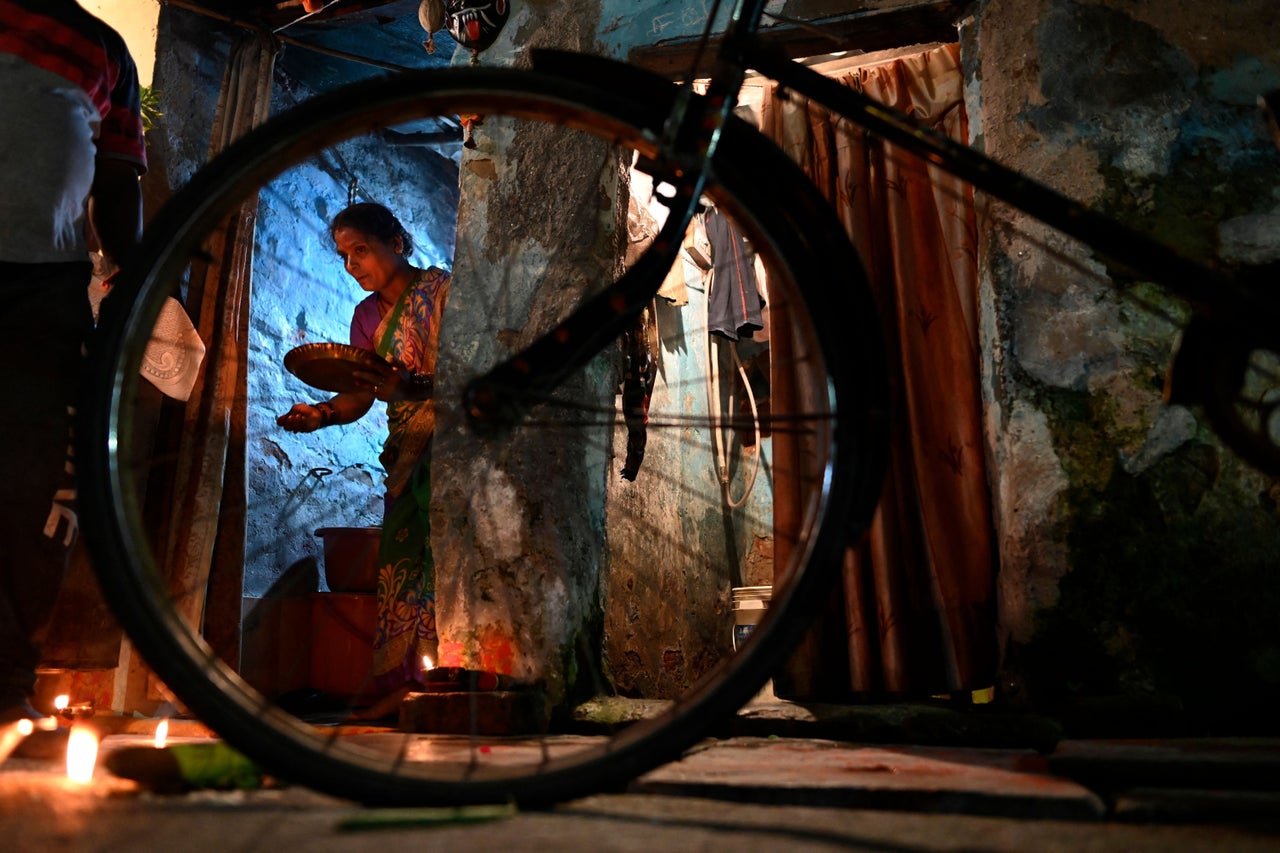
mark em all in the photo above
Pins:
pixel 71 153
pixel 400 321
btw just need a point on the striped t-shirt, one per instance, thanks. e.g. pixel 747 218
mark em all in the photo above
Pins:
pixel 69 94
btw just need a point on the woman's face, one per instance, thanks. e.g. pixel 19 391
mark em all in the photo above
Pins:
pixel 369 260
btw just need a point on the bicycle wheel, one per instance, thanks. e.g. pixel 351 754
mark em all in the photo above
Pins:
pixel 834 419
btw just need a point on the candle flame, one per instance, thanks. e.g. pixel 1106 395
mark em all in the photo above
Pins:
pixel 162 732
pixel 26 727
pixel 427 663
pixel 61 702
pixel 82 755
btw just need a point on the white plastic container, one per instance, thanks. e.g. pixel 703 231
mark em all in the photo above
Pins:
pixel 749 606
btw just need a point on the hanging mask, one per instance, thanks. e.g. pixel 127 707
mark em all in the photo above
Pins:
pixel 475 23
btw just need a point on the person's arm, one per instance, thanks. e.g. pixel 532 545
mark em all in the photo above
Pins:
pixel 344 408
pixel 115 208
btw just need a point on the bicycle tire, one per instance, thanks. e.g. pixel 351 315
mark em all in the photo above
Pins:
pixel 788 222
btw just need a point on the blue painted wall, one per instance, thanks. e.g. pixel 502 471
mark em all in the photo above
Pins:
pixel 625 25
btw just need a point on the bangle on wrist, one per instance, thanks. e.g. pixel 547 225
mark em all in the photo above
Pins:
pixel 422 384
pixel 327 414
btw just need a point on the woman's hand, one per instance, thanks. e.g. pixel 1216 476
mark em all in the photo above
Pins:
pixel 344 408
pixel 303 417
pixel 398 384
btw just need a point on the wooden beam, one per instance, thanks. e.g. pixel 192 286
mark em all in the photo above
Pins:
pixel 865 31
pixel 274 15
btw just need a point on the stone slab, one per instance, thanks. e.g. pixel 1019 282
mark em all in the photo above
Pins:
pixel 41 810
pixel 1009 782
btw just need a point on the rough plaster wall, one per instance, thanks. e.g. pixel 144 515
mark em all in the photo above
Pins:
pixel 626 24
pixel 539 222
pixel 1128 536
pixel 190 62
pixel 674 553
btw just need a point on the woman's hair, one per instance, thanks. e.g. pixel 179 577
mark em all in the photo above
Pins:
pixel 374 220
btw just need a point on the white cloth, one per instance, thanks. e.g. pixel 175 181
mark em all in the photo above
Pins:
pixel 172 358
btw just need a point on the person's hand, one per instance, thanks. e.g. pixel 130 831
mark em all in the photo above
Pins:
pixel 397 384
pixel 303 417
pixel 384 385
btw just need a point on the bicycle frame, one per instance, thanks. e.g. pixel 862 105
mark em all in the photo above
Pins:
pixel 1200 284
pixel 1233 313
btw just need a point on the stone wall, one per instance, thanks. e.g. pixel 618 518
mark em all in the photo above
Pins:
pixel 1137 554
pixel 191 57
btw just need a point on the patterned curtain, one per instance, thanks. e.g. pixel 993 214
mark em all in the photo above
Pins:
pixel 916 613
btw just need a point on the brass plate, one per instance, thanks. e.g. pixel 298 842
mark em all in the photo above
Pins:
pixel 330 367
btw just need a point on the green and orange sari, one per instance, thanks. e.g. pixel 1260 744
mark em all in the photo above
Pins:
pixel 406 628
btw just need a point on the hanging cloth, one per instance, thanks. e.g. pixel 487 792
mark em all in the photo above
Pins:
pixel 734 303
pixel 916 615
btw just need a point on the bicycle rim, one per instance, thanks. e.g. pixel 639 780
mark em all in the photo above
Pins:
pixel 838 414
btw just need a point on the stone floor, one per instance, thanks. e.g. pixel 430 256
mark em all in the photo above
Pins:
pixel 778 777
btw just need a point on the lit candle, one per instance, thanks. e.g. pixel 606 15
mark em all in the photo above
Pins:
pixel 427 664
pixel 82 754
pixel 60 703
pixel 162 732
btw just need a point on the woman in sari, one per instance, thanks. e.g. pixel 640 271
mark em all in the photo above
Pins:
pixel 400 321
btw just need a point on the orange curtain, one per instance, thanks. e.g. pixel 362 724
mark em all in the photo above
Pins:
pixel 916 614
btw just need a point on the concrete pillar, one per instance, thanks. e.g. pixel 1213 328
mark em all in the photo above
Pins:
pixel 518 522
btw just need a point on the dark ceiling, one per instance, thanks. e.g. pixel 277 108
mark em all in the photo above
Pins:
pixel 388 35
pixel 344 41
pixel 324 49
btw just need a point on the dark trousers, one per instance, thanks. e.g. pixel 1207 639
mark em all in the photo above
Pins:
pixel 44 320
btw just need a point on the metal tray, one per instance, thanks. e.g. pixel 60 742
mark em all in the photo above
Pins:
pixel 330 367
